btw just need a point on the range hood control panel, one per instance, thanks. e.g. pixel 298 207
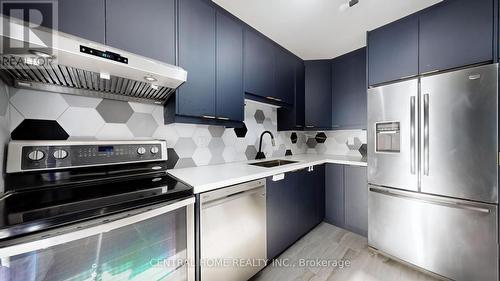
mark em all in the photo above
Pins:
pixel 103 54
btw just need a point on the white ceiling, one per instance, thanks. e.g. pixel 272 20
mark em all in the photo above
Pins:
pixel 317 29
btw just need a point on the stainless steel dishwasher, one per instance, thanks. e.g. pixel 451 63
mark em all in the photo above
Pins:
pixel 233 232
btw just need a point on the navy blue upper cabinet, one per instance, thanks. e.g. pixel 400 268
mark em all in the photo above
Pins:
pixel 393 51
pixel 318 94
pixel 293 118
pixel 456 33
pixel 258 65
pixel 349 90
pixel 230 93
pixel 84 19
pixel 143 27
pixel 284 76
pixel 197 97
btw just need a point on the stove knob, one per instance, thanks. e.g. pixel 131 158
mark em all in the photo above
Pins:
pixel 36 155
pixel 60 154
pixel 154 150
pixel 141 150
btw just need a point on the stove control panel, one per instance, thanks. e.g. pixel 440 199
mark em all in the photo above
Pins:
pixel 46 156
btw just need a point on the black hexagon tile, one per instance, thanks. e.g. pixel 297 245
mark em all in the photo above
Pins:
pixel 241 132
pixel 320 137
pixel 32 129
pixel 293 137
pixel 172 158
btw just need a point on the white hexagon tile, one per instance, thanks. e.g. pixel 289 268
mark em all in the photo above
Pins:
pixel 189 145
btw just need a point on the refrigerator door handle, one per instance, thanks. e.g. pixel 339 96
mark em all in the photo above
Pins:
pixel 426 135
pixel 412 136
pixel 445 203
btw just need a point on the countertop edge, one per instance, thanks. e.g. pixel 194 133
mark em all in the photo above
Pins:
pixel 264 174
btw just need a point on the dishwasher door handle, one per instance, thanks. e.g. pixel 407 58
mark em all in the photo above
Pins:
pixel 234 196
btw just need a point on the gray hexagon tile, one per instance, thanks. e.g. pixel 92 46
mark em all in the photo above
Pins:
pixel 311 143
pixel 113 111
pixel 251 152
pixel 142 125
pixel 185 163
pixel 81 122
pixel 38 105
pixel 216 146
pixel 259 116
pixel 185 147
pixel 81 101
pixel 216 131
pixel 201 136
pixel 202 156
pixel 114 132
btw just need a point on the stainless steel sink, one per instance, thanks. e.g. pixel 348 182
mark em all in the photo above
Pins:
pixel 273 163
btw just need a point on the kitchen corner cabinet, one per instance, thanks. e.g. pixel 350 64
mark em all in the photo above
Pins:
pixel 456 33
pixel 293 118
pixel 349 91
pixel 144 27
pixel 318 94
pixel 85 19
pixel 294 206
pixel 346 197
pixel 393 51
pixel 258 65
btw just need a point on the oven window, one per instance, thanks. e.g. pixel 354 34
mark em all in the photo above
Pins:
pixel 153 249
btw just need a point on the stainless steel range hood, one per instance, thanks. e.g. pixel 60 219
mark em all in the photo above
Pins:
pixel 72 65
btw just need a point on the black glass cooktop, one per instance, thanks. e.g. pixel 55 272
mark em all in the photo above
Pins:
pixel 40 201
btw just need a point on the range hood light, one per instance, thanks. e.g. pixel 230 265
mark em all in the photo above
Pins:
pixel 154 86
pixel 150 79
pixel 104 75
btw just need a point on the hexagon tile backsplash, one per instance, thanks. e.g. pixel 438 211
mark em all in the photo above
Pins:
pixel 84 118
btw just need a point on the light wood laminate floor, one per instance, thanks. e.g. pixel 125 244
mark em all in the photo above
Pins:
pixel 330 243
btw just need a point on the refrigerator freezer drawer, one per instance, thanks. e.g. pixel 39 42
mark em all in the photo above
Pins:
pixel 453 238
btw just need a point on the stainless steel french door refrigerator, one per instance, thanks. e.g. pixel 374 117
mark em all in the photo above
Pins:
pixel 433 172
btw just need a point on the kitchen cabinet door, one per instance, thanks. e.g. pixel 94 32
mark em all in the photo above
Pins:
pixel 318 94
pixel 85 19
pixel 258 65
pixel 230 93
pixel 197 97
pixel 456 33
pixel 393 51
pixel 143 27
pixel 356 199
pixel 293 118
pixel 319 195
pixel 284 76
pixel 281 212
pixel 349 91
pixel 334 195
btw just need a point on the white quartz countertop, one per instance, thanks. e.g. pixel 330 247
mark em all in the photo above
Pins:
pixel 206 178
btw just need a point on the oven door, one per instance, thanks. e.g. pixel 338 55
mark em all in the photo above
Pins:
pixel 152 243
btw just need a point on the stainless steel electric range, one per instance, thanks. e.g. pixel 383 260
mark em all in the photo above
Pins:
pixel 94 211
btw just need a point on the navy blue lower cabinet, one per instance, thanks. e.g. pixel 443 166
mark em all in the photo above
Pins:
pixel 456 33
pixel 356 199
pixel 334 195
pixel 349 91
pixel 318 94
pixel 295 205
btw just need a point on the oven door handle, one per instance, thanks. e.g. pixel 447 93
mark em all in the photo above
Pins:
pixel 42 241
